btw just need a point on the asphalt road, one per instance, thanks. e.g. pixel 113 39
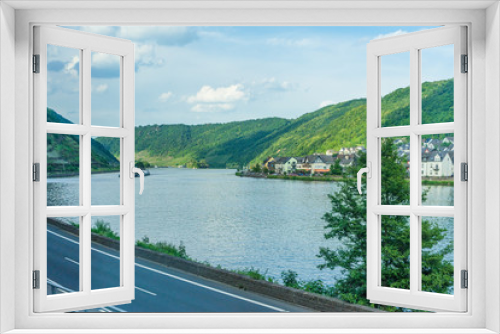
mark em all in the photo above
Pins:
pixel 158 288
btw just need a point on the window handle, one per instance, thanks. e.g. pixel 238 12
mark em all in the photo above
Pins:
pixel 133 171
pixel 368 171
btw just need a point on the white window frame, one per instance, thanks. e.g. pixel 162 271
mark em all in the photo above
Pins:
pixel 484 103
pixel 413 43
pixel 85 43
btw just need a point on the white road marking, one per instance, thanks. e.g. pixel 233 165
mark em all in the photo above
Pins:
pixel 67 290
pixel 145 291
pixel 178 278
pixel 71 260
pixel 140 289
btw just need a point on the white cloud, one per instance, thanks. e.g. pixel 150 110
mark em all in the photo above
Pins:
pixel 273 84
pixel 165 96
pixel 392 34
pixel 101 88
pixel 73 66
pixel 103 59
pixel 208 94
pixel 303 42
pixel 325 103
pixel 145 56
pixel 215 107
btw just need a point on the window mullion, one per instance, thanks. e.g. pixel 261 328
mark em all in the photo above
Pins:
pixel 414 170
pixel 86 164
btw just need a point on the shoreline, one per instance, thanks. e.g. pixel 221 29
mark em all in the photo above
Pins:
pixel 336 178
pixel 59 175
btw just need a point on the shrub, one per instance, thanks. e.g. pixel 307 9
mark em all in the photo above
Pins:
pixel 164 247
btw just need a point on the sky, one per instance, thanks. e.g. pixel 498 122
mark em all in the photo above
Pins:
pixel 198 75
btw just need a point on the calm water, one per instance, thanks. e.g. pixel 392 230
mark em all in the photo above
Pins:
pixel 235 222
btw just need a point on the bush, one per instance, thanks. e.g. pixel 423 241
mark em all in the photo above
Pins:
pixel 256 168
pixel 289 278
pixel 255 274
pixel 164 247
pixel 104 229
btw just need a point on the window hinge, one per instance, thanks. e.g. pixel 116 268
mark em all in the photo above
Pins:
pixel 464 171
pixel 465 279
pixel 465 64
pixel 36 279
pixel 36 172
pixel 36 63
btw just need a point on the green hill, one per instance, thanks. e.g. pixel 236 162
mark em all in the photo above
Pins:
pixel 63 152
pixel 238 143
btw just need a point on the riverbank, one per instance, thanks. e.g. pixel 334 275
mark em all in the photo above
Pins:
pixel 335 178
pixel 327 178
pixel 56 175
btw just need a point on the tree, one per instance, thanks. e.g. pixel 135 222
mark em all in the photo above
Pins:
pixel 139 164
pixel 347 222
pixel 335 168
pixel 256 168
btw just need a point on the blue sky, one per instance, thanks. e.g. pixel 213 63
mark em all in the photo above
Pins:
pixel 197 75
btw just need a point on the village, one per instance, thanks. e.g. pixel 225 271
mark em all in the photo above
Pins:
pixel 437 160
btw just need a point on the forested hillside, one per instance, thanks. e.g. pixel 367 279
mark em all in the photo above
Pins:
pixel 63 151
pixel 238 143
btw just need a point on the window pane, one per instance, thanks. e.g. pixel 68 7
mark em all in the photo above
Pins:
pixel 437 254
pixel 63 84
pixel 63 170
pixel 437 168
pixel 395 169
pixel 105 257
pixel 437 84
pixel 395 79
pixel 395 251
pixel 63 255
pixel 105 74
pixel 105 171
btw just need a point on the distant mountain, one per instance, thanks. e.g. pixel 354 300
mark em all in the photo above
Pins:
pixel 63 151
pixel 238 143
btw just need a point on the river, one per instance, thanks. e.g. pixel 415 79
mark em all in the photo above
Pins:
pixel 234 222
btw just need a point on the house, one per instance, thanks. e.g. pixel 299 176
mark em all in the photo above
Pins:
pixel 331 152
pixel 321 161
pixel 432 143
pixel 360 148
pixel 269 163
pixel 347 160
pixel 438 164
pixel 449 140
pixel 285 165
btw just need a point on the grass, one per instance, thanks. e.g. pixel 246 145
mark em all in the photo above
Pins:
pixel 101 228
pixel 437 183
pixel 255 274
pixel 164 247
pixel 104 229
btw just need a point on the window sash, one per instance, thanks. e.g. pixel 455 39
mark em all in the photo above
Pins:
pixel 414 298
pixel 86 298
